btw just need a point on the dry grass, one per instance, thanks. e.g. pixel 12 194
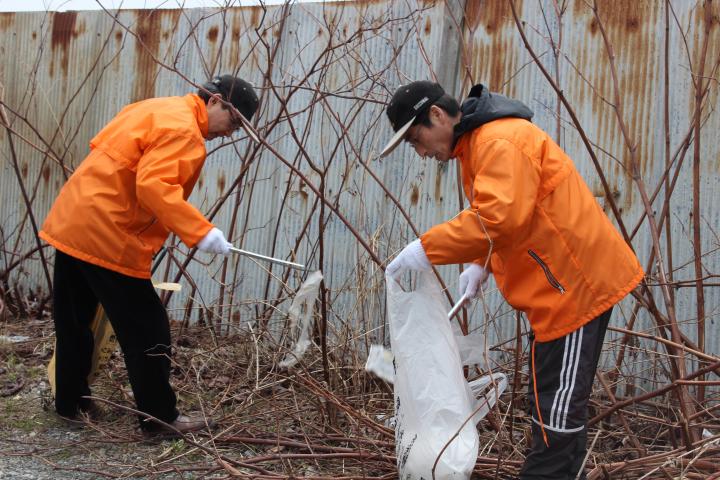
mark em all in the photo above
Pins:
pixel 280 424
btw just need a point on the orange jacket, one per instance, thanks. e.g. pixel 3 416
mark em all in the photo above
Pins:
pixel 118 207
pixel 555 254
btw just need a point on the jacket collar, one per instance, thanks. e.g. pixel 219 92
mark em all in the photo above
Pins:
pixel 200 110
pixel 482 107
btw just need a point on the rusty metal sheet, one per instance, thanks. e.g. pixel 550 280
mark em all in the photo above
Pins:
pixel 497 57
pixel 332 66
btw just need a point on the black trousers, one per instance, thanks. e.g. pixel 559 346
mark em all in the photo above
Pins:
pixel 141 326
pixel 562 374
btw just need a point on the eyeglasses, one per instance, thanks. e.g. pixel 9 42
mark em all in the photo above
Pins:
pixel 235 117
pixel 237 121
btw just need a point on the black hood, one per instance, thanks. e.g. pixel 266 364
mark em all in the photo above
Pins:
pixel 482 107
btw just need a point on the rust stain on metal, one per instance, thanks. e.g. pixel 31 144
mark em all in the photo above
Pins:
pixel 255 16
pixel 237 27
pixel 221 182
pixel 63 31
pixel 428 26
pixel 147 44
pixel 414 195
pixel 626 14
pixel 594 26
pixel 631 24
pixel 438 185
pixel 7 19
pixel 492 28
pixel 63 27
pixel 24 169
pixel 493 15
pixel 713 21
pixel 213 34
pixel 46 174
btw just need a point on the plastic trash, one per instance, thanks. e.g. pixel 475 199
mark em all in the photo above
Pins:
pixel 380 362
pixel 13 338
pixel 486 390
pixel 433 401
pixel 300 314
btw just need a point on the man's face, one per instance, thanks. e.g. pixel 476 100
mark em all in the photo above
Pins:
pixel 223 119
pixel 435 141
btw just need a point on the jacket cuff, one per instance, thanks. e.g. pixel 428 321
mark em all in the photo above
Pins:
pixel 481 263
pixel 419 255
pixel 197 235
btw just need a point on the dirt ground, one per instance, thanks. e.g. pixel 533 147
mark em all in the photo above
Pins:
pixel 314 422
pixel 36 443
pixel 269 424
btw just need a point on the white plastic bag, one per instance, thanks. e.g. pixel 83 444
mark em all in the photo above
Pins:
pixel 380 362
pixel 300 314
pixel 432 397
pixel 486 390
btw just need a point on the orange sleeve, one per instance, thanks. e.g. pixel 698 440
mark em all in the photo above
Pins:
pixel 504 190
pixel 162 171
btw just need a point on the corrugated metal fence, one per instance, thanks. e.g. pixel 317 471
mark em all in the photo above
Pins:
pixel 325 72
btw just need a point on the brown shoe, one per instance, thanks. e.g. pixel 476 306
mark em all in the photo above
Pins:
pixel 182 424
pixel 186 424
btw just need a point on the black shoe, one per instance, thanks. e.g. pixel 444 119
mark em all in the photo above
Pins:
pixel 74 422
pixel 87 414
pixel 92 412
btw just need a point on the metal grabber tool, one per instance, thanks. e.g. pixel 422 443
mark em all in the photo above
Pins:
pixel 457 307
pixel 267 259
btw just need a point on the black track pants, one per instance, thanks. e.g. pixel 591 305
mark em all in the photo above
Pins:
pixel 564 370
pixel 140 323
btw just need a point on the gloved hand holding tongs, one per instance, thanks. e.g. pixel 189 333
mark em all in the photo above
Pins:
pixel 215 242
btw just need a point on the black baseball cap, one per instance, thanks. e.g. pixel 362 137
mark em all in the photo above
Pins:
pixel 408 102
pixel 238 92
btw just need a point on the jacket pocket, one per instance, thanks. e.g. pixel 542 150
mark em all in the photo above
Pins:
pixel 143 229
pixel 548 273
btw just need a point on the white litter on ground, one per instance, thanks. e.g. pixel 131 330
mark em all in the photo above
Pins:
pixel 301 315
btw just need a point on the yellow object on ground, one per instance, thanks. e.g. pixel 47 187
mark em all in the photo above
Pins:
pixel 105 344
pixel 104 340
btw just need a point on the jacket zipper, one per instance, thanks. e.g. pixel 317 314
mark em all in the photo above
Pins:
pixel 144 229
pixel 548 274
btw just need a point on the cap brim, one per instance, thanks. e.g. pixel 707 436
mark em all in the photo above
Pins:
pixel 397 138
pixel 249 129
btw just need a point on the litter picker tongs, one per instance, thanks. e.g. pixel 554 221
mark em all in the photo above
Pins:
pixel 240 251
pixel 457 307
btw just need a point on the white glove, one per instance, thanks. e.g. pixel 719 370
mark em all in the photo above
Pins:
pixel 214 242
pixel 470 280
pixel 412 257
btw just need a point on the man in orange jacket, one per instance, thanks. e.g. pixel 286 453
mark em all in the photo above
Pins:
pixel 112 216
pixel 552 250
